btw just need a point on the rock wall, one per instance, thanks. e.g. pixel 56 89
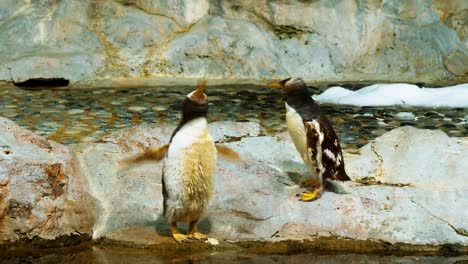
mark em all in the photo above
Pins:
pixel 145 42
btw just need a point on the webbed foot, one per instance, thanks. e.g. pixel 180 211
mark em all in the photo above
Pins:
pixel 308 196
pixel 180 238
pixel 194 234
pixel 198 236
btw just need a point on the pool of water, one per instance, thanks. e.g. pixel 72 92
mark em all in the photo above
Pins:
pixel 83 115
pixel 97 254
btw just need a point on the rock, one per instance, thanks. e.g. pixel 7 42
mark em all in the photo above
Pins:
pixel 105 167
pixel 415 156
pixel 411 9
pixel 225 131
pixel 408 189
pixel 148 42
pixel 454 14
pixel 48 40
pixel 185 12
pixel 131 33
pixel 431 163
pixel 255 200
pixel 42 192
pixel 457 63
pixel 127 196
pixel 266 208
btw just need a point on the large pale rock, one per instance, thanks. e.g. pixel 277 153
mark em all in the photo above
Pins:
pixel 255 200
pixel 419 157
pixel 432 164
pixel 143 42
pixel 126 196
pixel 130 195
pixel 42 192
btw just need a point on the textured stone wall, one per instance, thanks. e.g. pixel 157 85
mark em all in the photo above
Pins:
pixel 141 42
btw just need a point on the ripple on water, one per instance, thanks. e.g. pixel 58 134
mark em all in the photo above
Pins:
pixel 82 115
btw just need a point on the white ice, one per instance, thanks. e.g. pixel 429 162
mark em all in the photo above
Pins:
pixel 397 94
pixel 405 116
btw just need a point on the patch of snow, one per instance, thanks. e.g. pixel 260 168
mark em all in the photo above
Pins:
pixel 397 94
pixel 405 116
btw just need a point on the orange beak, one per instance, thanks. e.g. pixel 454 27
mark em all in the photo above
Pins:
pixel 275 85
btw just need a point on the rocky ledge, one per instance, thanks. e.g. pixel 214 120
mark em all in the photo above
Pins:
pixel 408 193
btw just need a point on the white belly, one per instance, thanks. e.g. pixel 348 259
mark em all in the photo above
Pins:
pixel 298 134
pixel 188 172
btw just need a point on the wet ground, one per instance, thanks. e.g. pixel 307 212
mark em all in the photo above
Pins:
pixel 80 115
pixel 95 254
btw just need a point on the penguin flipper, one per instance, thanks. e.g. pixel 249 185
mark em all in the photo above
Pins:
pixel 227 153
pixel 154 154
pixel 321 133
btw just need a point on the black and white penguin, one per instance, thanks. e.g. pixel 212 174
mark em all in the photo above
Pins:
pixel 313 137
pixel 189 165
pixel 188 168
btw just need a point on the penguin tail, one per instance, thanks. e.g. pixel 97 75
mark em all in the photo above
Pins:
pixel 344 177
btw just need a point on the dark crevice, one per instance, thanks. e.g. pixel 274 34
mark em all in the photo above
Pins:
pixel 42 82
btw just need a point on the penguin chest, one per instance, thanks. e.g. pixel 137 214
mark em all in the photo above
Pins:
pixel 188 172
pixel 297 132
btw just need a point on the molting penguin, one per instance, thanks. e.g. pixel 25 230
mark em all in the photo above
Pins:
pixel 313 137
pixel 189 167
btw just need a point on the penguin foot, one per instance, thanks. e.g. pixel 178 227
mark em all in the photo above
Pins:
pixel 198 236
pixel 308 196
pixel 309 183
pixel 180 238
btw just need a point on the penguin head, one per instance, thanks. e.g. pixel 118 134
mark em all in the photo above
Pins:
pixel 291 85
pixel 196 103
pixel 296 91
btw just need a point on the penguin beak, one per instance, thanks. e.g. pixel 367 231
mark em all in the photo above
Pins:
pixel 276 85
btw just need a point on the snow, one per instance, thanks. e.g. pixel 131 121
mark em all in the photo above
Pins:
pixel 405 116
pixel 397 94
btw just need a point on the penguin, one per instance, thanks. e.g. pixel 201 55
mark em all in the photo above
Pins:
pixel 313 136
pixel 188 168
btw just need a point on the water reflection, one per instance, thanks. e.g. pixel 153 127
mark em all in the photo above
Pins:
pixel 96 254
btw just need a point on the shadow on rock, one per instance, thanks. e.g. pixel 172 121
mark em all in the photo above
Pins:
pixel 164 229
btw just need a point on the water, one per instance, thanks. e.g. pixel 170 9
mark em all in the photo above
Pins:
pixel 83 115
pixel 97 254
